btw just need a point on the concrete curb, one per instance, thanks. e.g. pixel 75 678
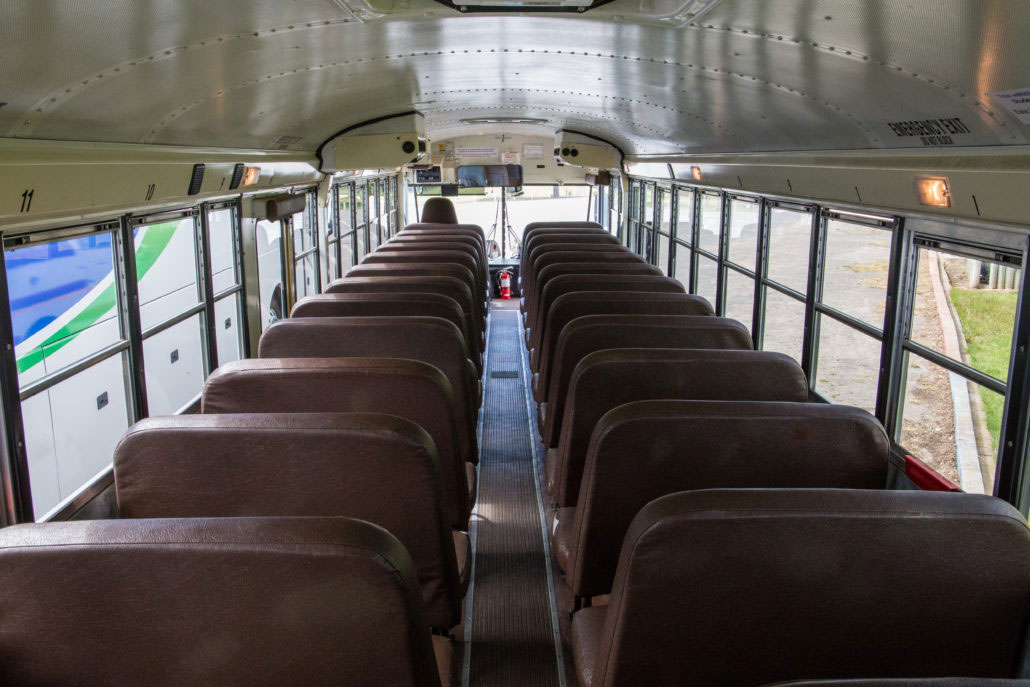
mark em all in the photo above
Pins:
pixel 967 454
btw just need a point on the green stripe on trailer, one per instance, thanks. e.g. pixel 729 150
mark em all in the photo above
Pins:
pixel 150 248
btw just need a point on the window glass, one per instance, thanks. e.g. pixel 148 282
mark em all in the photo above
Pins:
pixel 743 243
pixel 684 215
pixel 936 403
pixel 663 253
pixel 166 269
pixel 344 213
pixel 221 228
pixel 227 329
pixel 790 235
pixel 305 272
pixel 966 310
pixel 634 200
pixel 706 278
pixel 740 297
pixel 373 235
pixel 711 221
pixel 71 430
pixel 682 274
pixel 848 365
pixel 666 204
pixel 784 324
pixel 855 279
pixel 360 196
pixel 333 261
pixel 648 218
pixel 346 253
pixel 270 271
pixel 173 361
pixel 63 303
pixel 303 232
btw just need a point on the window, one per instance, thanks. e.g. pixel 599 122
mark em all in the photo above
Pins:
pixel 170 311
pixel 663 235
pixel 332 239
pixel 270 271
pixel 306 276
pixel 855 274
pixel 741 254
pixel 64 309
pixel 707 274
pixel 227 287
pixel 711 222
pixel 848 364
pixel 962 323
pixel 786 281
pixel 345 204
pixel 683 235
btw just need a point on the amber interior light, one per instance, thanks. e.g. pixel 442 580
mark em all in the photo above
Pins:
pixel 932 191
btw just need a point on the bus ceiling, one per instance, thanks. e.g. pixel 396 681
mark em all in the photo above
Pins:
pixel 744 91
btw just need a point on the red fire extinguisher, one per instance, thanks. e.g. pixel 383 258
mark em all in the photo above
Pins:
pixel 505 284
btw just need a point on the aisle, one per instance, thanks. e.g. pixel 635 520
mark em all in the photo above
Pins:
pixel 512 632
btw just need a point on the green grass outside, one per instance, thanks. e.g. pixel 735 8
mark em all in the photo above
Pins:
pixel 987 320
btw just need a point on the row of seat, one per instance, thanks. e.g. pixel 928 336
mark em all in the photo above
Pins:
pixel 359 414
pixel 730 531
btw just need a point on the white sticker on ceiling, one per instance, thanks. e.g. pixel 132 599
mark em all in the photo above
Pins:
pixel 1016 101
pixel 532 152
pixel 477 152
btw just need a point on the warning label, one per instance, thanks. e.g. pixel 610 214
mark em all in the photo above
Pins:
pixel 1016 101
pixel 931 132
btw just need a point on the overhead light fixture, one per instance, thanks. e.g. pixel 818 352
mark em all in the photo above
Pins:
pixel 695 172
pixel 251 176
pixel 932 191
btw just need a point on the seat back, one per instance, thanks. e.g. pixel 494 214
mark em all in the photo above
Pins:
pixel 464 238
pixel 239 602
pixel 386 255
pixel 473 230
pixel 556 253
pixel 647 449
pixel 374 467
pixel 387 305
pixel 609 378
pixel 775 584
pixel 533 228
pixel 445 286
pixel 591 333
pixel 419 244
pixel 428 339
pixel 576 238
pixel 410 389
pixel 586 267
pixel 423 269
pixel 439 210
pixel 581 303
pixel 569 283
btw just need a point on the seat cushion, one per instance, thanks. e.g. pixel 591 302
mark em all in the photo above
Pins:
pixel 587 625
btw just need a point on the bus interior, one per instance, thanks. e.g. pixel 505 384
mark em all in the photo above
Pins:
pixel 515 342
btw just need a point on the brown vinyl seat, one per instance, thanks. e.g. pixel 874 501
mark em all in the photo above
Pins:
pixel 647 449
pixel 909 682
pixel 424 269
pixel 593 237
pixel 235 602
pixel 419 244
pixel 581 303
pixel 568 283
pixel 585 335
pixel 410 389
pixel 428 339
pixel 446 286
pixel 534 228
pixel 374 467
pixel 473 230
pixel 385 254
pixel 587 266
pixel 467 240
pixel 610 378
pixel 388 305
pixel 439 210
pixel 557 253
pixel 726 588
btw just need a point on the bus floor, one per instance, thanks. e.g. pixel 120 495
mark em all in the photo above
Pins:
pixel 513 633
